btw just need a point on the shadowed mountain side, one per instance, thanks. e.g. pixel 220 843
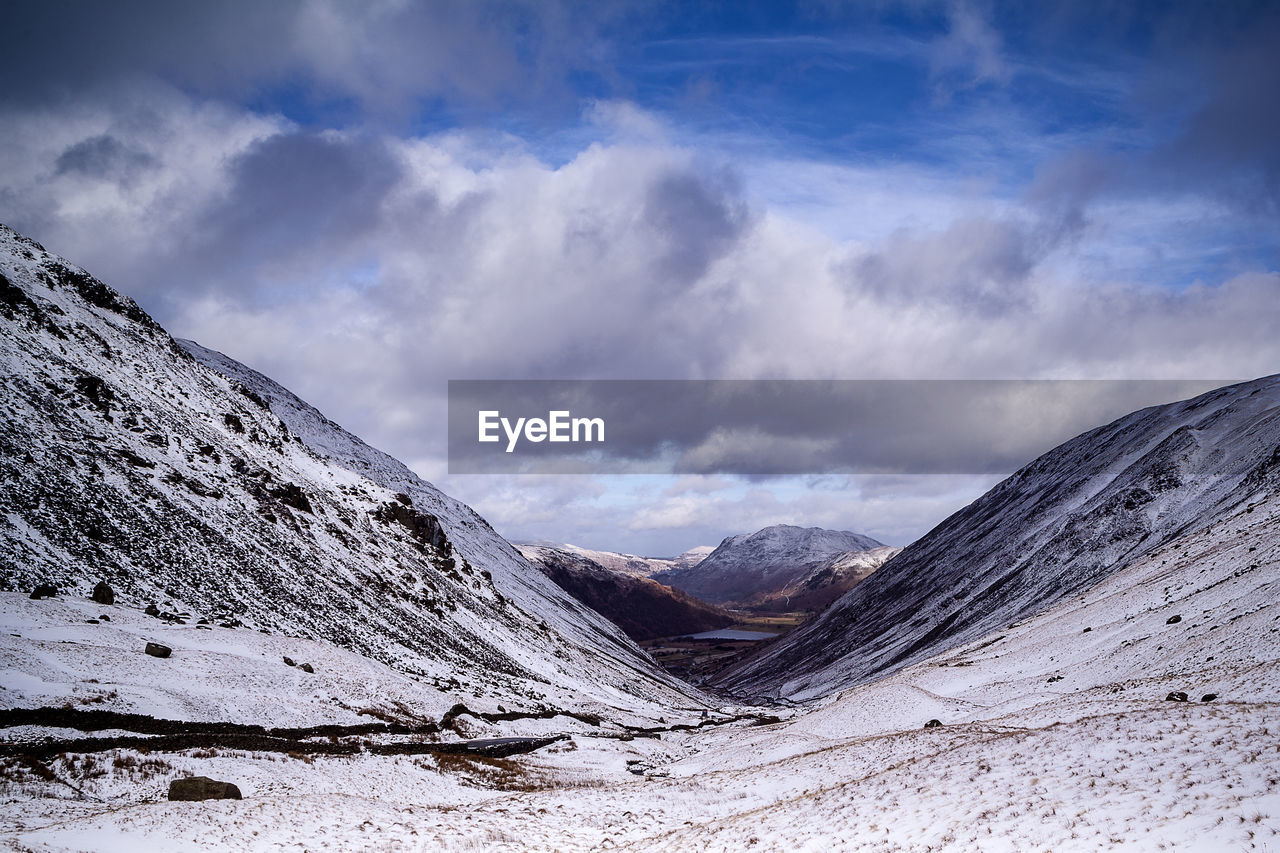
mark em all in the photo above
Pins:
pixel 643 608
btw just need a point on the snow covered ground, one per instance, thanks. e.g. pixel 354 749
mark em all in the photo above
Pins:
pixel 1054 738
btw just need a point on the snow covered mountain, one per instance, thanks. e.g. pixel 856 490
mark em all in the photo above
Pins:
pixel 188 481
pixel 753 567
pixel 640 606
pixel 632 564
pixel 1075 516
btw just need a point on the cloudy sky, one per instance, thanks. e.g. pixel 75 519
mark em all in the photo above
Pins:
pixel 367 199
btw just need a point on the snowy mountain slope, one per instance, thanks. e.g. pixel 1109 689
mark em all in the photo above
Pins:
pixel 753 566
pixel 826 582
pixel 218 493
pixel 640 606
pixel 1069 519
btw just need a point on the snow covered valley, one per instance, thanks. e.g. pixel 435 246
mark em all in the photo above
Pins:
pixel 1053 737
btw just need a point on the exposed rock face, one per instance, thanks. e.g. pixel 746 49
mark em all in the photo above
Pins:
pixel 642 607
pixel 753 568
pixel 195 788
pixel 1058 526
pixel 422 526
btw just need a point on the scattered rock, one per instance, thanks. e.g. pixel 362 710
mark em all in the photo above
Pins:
pixel 159 651
pixel 1055 678
pixel 1173 620
pixel 306 667
pixel 1176 696
pixel 422 526
pixel 103 593
pixel 1208 697
pixel 292 496
pixel 104 617
pixel 44 590
pixel 92 622
pixel 933 724
pixel 288 661
pixel 96 391
pixel 1086 630
pixel 233 422
pixel 195 788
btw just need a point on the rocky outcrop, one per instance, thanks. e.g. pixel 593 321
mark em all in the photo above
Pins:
pixel 103 593
pixel 195 788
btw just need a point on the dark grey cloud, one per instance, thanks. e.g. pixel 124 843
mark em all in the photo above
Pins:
pixel 696 219
pixel 57 48
pixel 102 156
pixel 367 58
pixel 293 199
pixel 1231 142
pixel 1201 119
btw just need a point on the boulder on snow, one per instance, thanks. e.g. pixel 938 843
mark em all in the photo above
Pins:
pixel 195 788
pixel 288 661
pixel 933 724
pixel 306 667
pixel 156 650
pixel 44 590
pixel 1208 697
pixel 1173 620
pixel 152 610
pixel 1176 696
pixel 103 593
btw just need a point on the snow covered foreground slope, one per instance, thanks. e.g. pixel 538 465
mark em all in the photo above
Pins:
pixel 211 491
pixel 1073 517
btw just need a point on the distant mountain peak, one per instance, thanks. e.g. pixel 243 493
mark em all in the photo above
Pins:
pixel 751 567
